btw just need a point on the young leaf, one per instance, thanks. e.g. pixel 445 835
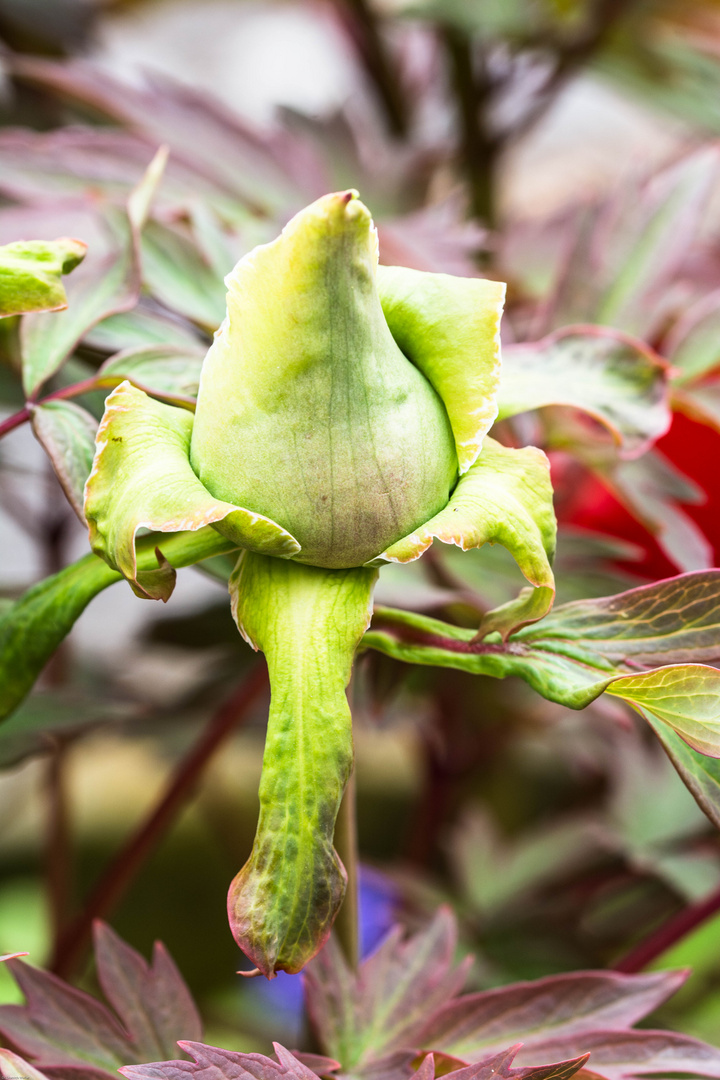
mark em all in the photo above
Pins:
pixel 101 291
pixel 64 1029
pixel 67 434
pixel 613 377
pixel 30 273
pixel 213 1063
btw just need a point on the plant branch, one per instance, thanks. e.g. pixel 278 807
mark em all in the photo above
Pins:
pixel 121 872
pixel 362 27
pixel 479 148
pixel 669 934
pixel 347 923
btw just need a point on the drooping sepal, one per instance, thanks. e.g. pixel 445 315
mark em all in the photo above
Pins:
pixel 450 328
pixel 308 621
pixel 142 478
pixel 505 498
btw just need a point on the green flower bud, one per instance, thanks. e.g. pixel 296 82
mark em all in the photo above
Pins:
pixel 308 411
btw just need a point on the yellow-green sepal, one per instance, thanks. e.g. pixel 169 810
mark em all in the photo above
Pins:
pixel 309 622
pixel 505 498
pixel 142 478
pixel 449 327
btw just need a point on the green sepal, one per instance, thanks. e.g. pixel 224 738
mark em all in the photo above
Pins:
pixel 30 274
pixel 142 478
pixel 308 621
pixel 505 498
pixel 450 328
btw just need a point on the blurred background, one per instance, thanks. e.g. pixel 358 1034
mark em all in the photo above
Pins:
pixel 565 146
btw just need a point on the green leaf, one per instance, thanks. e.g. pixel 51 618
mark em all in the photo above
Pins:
pixel 67 434
pixel 308 621
pixel 168 371
pixel 505 498
pixel 33 627
pixel 30 272
pixel 686 697
pixel 579 648
pixel 700 773
pixel 142 478
pixel 450 328
pixel 613 377
pixel 178 276
pixel 101 290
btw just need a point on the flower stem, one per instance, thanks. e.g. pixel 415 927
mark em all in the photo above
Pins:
pixel 669 934
pixel 347 924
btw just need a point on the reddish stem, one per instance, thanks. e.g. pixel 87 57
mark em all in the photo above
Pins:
pixel 115 881
pixel 63 393
pixel 667 935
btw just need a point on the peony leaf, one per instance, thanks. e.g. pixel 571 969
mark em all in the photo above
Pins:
pixel 66 1030
pixel 67 434
pixel 613 377
pixel 557 1007
pixel 142 478
pixel 579 648
pixel 30 274
pixel 33 627
pixel 686 697
pixel 170 372
pixel 104 288
pixel 308 621
pixel 214 1063
pixel 505 498
pixel 450 328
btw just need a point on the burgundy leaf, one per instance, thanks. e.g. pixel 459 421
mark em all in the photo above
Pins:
pixel 72 1036
pixel 213 1063
pixel 321 1066
pixel 385 1007
pixel 152 1001
pixel 619 1054
pixel 529 1012
pixel 499 1067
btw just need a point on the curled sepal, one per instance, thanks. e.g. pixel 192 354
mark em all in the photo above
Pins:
pixel 142 478
pixel 308 621
pixel 505 498
pixel 450 328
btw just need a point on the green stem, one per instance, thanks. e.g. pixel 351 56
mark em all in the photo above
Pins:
pixel 347 924
pixel 308 621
